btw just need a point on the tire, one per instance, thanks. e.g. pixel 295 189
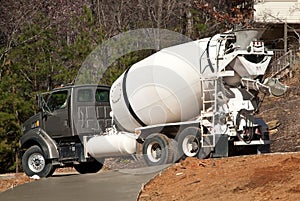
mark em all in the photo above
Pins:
pixel 157 151
pixel 189 142
pixel 34 163
pixel 93 166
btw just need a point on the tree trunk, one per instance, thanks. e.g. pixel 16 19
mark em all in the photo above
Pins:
pixel 189 18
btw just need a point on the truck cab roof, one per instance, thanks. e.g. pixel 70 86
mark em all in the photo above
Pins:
pixel 78 86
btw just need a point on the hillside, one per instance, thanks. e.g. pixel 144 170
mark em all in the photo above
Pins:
pixel 286 110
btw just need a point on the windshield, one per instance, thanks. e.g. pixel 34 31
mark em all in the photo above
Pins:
pixel 50 102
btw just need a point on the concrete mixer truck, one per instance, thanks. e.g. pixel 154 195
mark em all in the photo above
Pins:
pixel 197 99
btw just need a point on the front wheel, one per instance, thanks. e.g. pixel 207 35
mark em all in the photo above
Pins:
pixel 90 167
pixel 157 150
pixel 34 163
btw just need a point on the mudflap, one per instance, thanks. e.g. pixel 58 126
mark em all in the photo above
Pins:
pixel 221 148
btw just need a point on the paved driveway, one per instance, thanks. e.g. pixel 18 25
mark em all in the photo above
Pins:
pixel 107 186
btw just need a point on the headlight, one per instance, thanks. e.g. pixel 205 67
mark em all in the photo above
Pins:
pixel 35 124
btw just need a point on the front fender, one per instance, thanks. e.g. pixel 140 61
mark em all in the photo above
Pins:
pixel 39 137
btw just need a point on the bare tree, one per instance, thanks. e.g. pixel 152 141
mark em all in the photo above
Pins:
pixel 229 13
pixel 119 15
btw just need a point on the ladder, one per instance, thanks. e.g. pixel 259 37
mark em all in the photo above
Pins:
pixel 210 87
pixel 209 109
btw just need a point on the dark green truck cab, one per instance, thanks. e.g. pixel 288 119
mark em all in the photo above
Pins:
pixel 56 136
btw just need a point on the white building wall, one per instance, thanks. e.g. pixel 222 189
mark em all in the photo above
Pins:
pixel 277 11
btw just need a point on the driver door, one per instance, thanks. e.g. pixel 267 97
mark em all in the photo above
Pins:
pixel 57 121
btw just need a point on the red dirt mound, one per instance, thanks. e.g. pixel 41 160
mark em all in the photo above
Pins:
pixel 257 177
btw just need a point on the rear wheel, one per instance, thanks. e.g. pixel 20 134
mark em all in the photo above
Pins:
pixel 157 150
pixel 34 163
pixel 90 167
pixel 189 142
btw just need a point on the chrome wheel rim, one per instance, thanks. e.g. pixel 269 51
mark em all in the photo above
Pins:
pixel 190 145
pixel 154 152
pixel 36 162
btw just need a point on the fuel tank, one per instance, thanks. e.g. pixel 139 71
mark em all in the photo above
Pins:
pixel 111 145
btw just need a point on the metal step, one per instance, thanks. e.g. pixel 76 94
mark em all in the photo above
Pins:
pixel 208 90
pixel 207 114
pixel 210 101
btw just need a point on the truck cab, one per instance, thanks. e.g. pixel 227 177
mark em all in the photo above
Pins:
pixel 55 136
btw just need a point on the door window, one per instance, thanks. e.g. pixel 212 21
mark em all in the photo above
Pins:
pixel 85 95
pixel 102 95
pixel 57 100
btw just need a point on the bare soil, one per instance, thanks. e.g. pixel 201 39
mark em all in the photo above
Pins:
pixel 8 181
pixel 286 110
pixel 248 178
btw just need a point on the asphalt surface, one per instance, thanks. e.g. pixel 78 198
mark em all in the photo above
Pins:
pixel 123 185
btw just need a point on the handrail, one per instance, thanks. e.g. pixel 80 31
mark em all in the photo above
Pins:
pixel 281 63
